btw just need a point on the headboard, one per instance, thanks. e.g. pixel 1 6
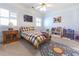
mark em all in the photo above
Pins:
pixel 23 29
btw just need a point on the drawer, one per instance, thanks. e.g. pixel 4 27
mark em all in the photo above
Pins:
pixel 10 32
pixel 13 32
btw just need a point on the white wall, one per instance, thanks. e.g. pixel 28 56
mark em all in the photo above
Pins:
pixel 70 18
pixel 21 11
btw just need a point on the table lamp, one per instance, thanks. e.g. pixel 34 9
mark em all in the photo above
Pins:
pixel 10 26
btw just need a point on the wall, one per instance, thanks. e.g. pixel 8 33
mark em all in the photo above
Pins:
pixel 20 10
pixel 70 18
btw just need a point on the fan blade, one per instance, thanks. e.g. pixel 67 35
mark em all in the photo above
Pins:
pixel 48 5
pixel 38 7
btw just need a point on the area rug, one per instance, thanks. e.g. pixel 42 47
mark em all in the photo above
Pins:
pixel 46 51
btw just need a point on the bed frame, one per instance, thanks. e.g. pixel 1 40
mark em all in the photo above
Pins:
pixel 23 29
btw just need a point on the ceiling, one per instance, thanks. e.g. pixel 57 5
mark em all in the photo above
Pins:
pixel 54 6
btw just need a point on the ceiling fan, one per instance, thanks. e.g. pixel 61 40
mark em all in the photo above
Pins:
pixel 42 6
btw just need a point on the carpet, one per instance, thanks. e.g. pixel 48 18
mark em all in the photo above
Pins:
pixel 46 51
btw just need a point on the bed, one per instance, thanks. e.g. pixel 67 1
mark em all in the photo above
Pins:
pixel 36 38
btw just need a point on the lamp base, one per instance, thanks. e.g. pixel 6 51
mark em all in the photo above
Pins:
pixel 10 28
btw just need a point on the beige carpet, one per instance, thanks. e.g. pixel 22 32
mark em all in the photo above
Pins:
pixel 23 48
pixel 66 41
pixel 19 48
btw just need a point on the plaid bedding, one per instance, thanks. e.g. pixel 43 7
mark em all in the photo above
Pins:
pixel 35 39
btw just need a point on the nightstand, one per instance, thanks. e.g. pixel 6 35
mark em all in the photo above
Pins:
pixel 10 36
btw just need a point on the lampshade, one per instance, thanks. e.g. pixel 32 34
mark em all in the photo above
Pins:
pixel 10 25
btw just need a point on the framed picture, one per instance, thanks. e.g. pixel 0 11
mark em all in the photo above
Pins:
pixel 28 18
pixel 57 19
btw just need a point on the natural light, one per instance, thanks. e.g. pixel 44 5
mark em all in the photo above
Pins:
pixel 38 22
pixel 7 17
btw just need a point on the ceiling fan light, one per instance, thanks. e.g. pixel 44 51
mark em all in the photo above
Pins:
pixel 43 9
pixel 38 7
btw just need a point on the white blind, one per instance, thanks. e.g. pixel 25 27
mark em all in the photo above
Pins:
pixel 7 17
pixel 38 22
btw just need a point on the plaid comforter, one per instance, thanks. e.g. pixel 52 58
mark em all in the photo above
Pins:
pixel 35 39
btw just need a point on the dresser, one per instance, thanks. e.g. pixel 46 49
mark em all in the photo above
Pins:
pixel 10 36
pixel 69 33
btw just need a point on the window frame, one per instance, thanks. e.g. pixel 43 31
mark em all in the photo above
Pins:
pixel 9 17
pixel 38 22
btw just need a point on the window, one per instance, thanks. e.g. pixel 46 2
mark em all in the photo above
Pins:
pixel 4 13
pixel 13 19
pixel 38 22
pixel 4 21
pixel 7 17
pixel 4 17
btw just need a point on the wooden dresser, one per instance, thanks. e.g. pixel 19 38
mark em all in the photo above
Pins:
pixel 10 36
